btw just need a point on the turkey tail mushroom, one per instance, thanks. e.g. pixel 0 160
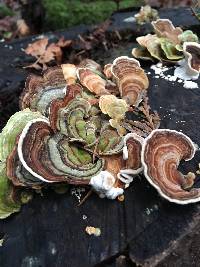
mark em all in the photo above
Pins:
pixel 107 71
pixel 161 154
pixel 131 79
pixel 165 28
pixel 191 51
pixel 132 157
pixel 40 91
pixel 92 81
pixel 51 158
pixel 69 72
pixel 90 64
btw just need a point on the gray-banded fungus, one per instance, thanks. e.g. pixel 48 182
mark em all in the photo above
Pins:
pixel 107 70
pixel 90 64
pixel 71 130
pixel 165 28
pixel 190 65
pixel 162 152
pixel 18 174
pixel 40 91
pixel 166 45
pixel 131 79
pixel 110 142
pixel 51 158
pixel 70 116
pixel 92 81
pixel 116 109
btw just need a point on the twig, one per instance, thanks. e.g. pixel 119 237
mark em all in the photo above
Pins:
pixel 85 197
pixel 118 35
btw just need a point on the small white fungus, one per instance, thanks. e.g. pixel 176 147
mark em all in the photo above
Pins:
pixel 190 85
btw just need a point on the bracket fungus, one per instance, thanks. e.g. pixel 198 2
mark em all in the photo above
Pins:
pixel 92 81
pixel 131 79
pixel 73 129
pixel 161 154
pixel 165 28
pixel 166 44
pixel 52 158
pixel 132 158
pixel 69 72
pixel 40 91
pixel 190 66
pixel 146 14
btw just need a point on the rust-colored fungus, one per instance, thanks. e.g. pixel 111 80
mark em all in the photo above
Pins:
pixel 131 79
pixel 162 152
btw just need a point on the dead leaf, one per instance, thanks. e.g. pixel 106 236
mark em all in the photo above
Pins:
pixel 45 53
pixel 56 52
pixel 37 48
pixel 63 43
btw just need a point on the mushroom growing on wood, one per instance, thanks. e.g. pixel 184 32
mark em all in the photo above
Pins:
pixel 69 72
pixel 72 127
pixel 162 152
pixel 165 28
pixel 92 81
pixel 40 91
pixel 131 79
pixel 132 157
pixel 190 65
pixel 191 51
pixel 51 158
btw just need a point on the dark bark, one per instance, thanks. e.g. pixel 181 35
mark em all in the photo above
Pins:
pixel 144 229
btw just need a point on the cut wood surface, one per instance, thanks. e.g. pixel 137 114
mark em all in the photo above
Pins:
pixel 144 229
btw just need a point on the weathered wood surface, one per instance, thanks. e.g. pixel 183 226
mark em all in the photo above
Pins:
pixel 144 229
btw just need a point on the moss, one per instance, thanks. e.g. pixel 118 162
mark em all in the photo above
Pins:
pixel 5 11
pixel 64 13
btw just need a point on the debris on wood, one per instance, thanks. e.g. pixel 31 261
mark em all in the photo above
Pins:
pixel 90 230
pixel 45 52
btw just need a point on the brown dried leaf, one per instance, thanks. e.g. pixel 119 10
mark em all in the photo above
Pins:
pixel 45 53
pixel 63 43
pixel 53 52
pixel 37 48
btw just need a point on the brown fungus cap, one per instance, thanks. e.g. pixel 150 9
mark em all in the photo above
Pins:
pixel 51 158
pixel 90 64
pixel 165 28
pixel 131 79
pixel 107 71
pixel 40 91
pixel 92 81
pixel 132 151
pixel 191 51
pixel 162 152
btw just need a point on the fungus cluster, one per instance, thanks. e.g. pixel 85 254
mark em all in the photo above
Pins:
pixel 73 128
pixel 170 44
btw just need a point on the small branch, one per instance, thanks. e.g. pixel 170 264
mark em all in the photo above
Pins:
pixel 89 193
